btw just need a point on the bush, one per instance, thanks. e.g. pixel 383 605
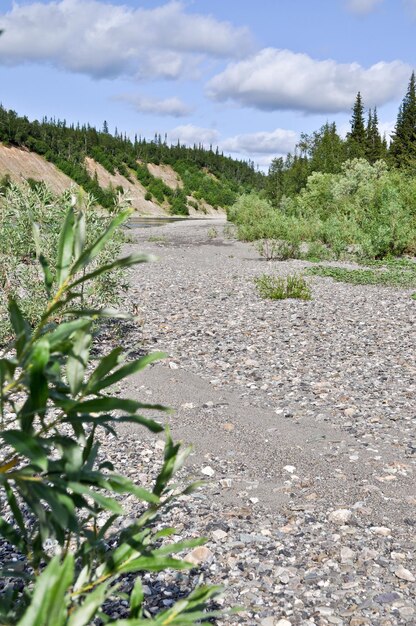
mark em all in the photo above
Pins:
pixel 19 270
pixel 365 210
pixel 61 502
pixel 277 288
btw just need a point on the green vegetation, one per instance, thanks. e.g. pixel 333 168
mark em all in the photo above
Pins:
pixel 25 206
pixel 366 210
pixel 404 277
pixel 278 288
pixel 62 512
pixel 67 146
pixel 336 198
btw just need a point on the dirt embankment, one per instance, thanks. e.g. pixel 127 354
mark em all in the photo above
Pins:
pixel 21 164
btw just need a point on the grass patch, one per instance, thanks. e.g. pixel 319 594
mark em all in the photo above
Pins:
pixel 279 288
pixel 394 276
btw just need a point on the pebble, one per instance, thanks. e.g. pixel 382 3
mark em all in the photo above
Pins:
pixel 208 471
pixel 405 574
pixel 340 516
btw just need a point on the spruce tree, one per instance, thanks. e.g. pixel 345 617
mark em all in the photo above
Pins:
pixel 356 138
pixel 373 142
pixel 403 146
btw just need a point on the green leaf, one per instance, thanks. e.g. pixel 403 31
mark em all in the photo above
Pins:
pixel 108 504
pixel 64 331
pixel 65 248
pixel 79 234
pixel 136 599
pixel 83 615
pixel 132 259
pixel 27 446
pixel 48 606
pixel 107 363
pixel 125 371
pixel 90 253
pixel 77 360
pixel 20 326
pixel 109 403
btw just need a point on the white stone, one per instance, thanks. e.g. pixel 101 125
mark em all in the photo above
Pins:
pixel 405 574
pixel 219 534
pixel 208 471
pixel 340 516
pixel 382 531
pixel 347 555
pixel 289 468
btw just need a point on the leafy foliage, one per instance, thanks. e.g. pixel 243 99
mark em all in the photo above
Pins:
pixel 61 498
pixel 366 210
pixel 281 288
pixel 34 210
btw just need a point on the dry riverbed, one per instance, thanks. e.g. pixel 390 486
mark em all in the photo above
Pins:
pixel 302 416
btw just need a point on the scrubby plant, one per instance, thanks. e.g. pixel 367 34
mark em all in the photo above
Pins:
pixel 366 210
pixel 404 277
pixel 61 500
pixel 23 209
pixel 281 288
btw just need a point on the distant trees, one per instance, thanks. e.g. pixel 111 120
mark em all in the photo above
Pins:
pixel 403 146
pixel 326 151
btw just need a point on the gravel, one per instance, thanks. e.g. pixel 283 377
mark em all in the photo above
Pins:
pixel 302 417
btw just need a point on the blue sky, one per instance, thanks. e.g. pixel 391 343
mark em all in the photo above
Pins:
pixel 247 76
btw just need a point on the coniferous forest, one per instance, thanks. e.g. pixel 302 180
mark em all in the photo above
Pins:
pixel 67 146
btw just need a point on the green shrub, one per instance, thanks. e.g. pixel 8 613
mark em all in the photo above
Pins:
pixel 279 288
pixel 148 195
pixel 62 503
pixel 19 270
pixel 366 210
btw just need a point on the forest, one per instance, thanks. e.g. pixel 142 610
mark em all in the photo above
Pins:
pixel 207 173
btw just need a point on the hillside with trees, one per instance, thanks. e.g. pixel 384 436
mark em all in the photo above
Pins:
pixel 209 177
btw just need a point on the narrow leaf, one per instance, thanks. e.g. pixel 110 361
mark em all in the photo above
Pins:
pixel 65 248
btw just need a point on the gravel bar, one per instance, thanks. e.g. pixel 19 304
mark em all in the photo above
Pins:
pixel 302 416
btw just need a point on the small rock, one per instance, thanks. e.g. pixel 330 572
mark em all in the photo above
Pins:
pixel 405 574
pixel 387 598
pixel 340 516
pixel 347 555
pixel 199 555
pixel 267 621
pixel 173 365
pixel 219 534
pixel 228 427
pixel 254 500
pixel 208 471
pixel 289 468
pixel 382 531
pixel 283 622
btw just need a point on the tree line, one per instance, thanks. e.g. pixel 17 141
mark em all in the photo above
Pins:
pixel 67 146
pixel 326 151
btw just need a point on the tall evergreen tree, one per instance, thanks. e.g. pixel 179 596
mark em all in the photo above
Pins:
pixel 374 150
pixel 356 138
pixel 403 145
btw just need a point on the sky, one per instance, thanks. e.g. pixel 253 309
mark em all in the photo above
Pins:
pixel 247 76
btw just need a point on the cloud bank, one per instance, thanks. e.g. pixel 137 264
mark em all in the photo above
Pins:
pixel 105 40
pixel 173 107
pixel 278 141
pixel 274 80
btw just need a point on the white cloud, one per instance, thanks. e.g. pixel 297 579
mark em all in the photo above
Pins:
pixel 284 80
pixel 169 106
pixel 190 135
pixel 109 40
pixel 362 7
pixel 278 141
